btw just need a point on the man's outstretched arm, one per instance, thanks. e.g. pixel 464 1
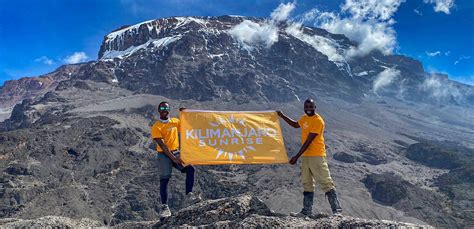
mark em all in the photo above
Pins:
pixel 288 120
pixel 304 147
pixel 167 151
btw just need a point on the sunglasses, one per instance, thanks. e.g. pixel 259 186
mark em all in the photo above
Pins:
pixel 164 108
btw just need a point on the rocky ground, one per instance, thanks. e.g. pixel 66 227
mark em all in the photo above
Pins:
pixel 79 150
pixel 239 211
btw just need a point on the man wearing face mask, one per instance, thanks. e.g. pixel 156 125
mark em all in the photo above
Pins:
pixel 165 133
pixel 314 165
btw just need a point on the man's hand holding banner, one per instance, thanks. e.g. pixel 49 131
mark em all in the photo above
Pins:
pixel 231 137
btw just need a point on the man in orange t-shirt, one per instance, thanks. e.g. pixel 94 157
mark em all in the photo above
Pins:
pixel 314 164
pixel 165 133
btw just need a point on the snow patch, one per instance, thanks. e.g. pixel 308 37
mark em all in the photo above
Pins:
pixel 134 28
pixel 364 73
pixel 165 41
pixel 216 55
pixel 186 20
pixel 116 40
pixel 382 64
pixel 157 43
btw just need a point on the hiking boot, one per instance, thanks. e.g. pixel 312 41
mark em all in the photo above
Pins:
pixel 164 211
pixel 300 214
pixel 319 215
pixel 307 210
pixel 191 199
pixel 333 201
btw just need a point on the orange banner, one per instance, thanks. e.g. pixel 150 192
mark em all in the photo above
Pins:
pixel 231 137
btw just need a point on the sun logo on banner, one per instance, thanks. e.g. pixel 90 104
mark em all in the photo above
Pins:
pixel 223 122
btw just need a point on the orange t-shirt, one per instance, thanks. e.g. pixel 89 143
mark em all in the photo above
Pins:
pixel 313 124
pixel 168 131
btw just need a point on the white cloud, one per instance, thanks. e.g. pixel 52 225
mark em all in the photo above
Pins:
pixel 432 54
pixel 437 53
pixel 250 33
pixel 369 36
pixel 76 57
pixel 440 89
pixel 461 58
pixel 372 9
pixel 367 22
pixel 385 78
pixel 418 12
pixel 44 60
pixel 441 5
pixel 282 12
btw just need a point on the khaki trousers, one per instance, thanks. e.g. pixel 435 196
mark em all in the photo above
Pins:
pixel 313 169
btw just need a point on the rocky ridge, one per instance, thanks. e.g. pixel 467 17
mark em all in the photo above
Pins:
pixel 239 211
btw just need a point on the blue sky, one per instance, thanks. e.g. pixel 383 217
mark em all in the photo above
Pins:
pixel 37 36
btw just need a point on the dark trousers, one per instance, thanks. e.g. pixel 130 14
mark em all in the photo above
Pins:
pixel 166 165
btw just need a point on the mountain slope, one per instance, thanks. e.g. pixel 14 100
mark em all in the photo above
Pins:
pixel 15 91
pixel 204 55
pixel 83 149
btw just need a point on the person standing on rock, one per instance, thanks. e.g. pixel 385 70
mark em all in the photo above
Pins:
pixel 314 164
pixel 165 133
